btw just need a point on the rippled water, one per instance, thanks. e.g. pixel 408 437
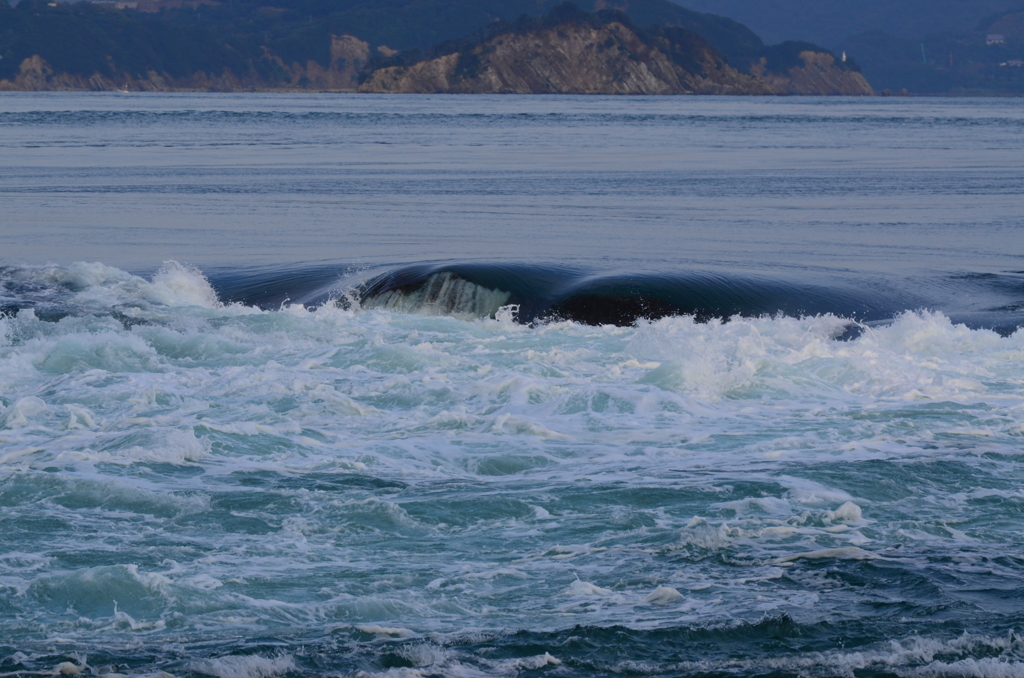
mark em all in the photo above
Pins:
pixel 473 386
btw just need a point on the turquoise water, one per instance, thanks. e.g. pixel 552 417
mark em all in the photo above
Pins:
pixel 514 386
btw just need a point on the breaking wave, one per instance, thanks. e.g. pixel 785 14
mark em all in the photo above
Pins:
pixel 442 293
pixel 529 294
pixel 564 294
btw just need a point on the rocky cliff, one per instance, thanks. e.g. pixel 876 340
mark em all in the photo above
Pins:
pixel 603 54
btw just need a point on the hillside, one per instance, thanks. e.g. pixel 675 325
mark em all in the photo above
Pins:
pixel 830 22
pixel 85 40
pixel 214 34
pixel 308 44
pixel 986 59
pixel 572 52
pixel 921 46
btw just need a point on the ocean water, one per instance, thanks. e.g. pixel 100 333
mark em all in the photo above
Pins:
pixel 511 386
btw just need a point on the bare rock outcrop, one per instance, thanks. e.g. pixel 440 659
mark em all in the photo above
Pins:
pixel 610 57
pixel 568 59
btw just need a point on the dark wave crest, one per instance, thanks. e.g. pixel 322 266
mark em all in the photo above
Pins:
pixel 619 299
pixel 539 293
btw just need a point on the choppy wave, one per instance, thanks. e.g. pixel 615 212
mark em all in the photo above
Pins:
pixel 773 645
pixel 233 476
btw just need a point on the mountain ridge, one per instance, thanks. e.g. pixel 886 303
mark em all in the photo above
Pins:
pixel 243 46
pixel 572 52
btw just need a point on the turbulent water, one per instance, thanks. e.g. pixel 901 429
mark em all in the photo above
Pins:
pixel 511 386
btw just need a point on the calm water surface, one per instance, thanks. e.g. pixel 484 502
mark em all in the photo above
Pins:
pixel 511 386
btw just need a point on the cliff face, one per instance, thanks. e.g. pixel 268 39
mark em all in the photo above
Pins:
pixel 568 59
pixel 611 58
pixel 348 57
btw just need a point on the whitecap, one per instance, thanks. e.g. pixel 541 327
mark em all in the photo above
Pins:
pixel 663 595
pixel 246 666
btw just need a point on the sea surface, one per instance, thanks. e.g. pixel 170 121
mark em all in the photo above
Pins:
pixel 411 386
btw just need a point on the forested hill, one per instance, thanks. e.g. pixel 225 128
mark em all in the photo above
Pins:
pixel 239 44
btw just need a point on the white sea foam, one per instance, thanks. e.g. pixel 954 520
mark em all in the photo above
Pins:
pixel 586 589
pixel 985 667
pixel 847 513
pixel 327 467
pixel 914 656
pixel 663 595
pixel 246 666
pixel 177 285
pixel 21 412
pixel 385 630
pixel 525 663
pixel 431 660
